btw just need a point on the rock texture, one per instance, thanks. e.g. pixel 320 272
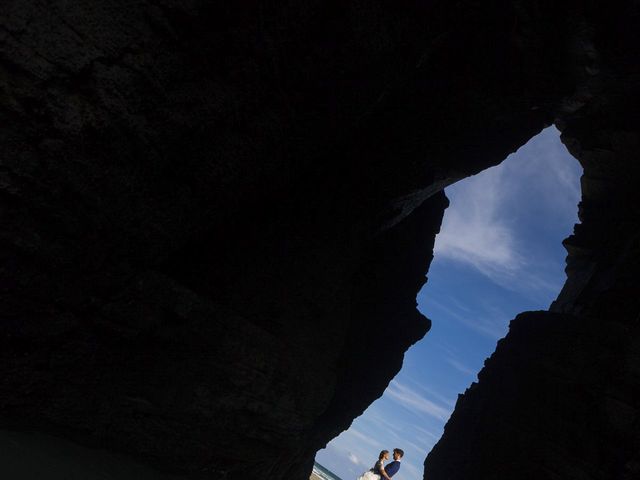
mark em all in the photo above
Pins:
pixel 27 456
pixel 560 397
pixel 209 211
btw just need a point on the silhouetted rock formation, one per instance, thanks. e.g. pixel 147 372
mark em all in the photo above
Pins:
pixel 209 210
pixel 560 396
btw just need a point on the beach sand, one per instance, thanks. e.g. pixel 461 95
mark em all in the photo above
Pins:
pixel 314 477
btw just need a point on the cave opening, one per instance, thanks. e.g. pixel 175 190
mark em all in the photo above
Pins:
pixel 499 253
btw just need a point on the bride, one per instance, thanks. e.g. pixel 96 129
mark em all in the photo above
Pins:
pixel 377 472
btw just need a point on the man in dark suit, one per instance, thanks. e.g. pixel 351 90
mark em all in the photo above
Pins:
pixel 394 466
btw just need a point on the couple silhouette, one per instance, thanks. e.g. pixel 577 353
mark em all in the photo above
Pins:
pixel 382 472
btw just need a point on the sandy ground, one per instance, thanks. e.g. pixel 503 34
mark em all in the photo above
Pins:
pixel 314 477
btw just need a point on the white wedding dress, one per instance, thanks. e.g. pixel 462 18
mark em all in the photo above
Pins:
pixel 370 474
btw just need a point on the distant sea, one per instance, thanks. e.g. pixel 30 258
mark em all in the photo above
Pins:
pixel 323 473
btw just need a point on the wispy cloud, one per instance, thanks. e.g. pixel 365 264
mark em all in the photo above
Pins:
pixel 558 183
pixel 343 453
pixel 482 227
pixel 389 428
pixel 429 392
pixel 475 233
pixel 361 437
pixel 490 229
pixel 357 448
pixel 491 324
pixel 461 367
pixel 415 402
pixel 427 433
pixel 419 449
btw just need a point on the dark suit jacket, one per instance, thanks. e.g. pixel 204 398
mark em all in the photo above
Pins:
pixel 392 468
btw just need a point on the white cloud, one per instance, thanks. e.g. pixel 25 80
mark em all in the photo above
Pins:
pixel 424 431
pixel 418 449
pixel 361 437
pixel 389 428
pixel 480 228
pixel 358 446
pixel 415 402
pixel 475 232
pixel 344 455
pixel 558 184
pixel 445 400
pixel 461 367
pixel 487 321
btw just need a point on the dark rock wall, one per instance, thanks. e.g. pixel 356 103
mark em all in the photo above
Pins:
pixel 560 397
pixel 209 211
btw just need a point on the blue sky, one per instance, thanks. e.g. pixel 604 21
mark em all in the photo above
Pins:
pixel 499 253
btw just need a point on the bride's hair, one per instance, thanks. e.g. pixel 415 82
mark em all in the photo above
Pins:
pixel 382 454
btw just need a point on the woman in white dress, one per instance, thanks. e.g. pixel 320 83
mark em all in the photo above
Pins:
pixel 377 472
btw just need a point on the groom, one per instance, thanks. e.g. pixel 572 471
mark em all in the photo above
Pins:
pixel 394 466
